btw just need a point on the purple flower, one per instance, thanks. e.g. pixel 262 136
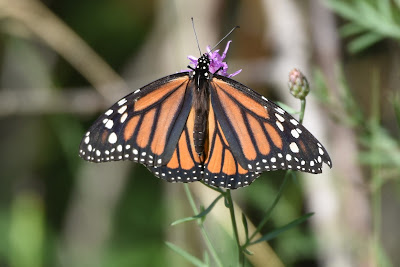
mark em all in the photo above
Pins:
pixel 216 62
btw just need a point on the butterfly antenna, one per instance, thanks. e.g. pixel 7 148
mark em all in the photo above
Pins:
pixel 229 33
pixel 195 34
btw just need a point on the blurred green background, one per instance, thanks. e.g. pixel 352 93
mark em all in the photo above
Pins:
pixel 64 62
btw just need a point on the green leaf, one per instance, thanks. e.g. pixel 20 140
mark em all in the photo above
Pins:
pixel 248 252
pixel 206 258
pixel 284 228
pixel 351 29
pixel 246 229
pixel 344 9
pixel 189 257
pixel 364 41
pixel 200 215
pixel 384 7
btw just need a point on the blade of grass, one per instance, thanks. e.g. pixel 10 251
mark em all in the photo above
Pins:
pixel 282 229
pixel 189 257
pixel 364 41
pixel 200 215
pixel 204 233
pixel 351 29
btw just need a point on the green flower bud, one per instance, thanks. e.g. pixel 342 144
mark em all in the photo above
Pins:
pixel 298 84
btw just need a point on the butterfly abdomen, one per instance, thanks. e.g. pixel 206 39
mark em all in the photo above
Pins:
pixel 201 107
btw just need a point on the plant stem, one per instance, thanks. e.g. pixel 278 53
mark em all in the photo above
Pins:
pixel 234 225
pixel 268 214
pixel 202 229
pixel 302 110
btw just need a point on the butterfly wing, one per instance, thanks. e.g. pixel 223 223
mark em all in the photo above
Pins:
pixel 221 167
pixel 144 126
pixel 185 164
pixel 261 135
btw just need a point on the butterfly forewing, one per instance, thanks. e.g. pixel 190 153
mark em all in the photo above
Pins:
pixel 144 126
pixel 262 135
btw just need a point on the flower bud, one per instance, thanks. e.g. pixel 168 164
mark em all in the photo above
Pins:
pixel 298 84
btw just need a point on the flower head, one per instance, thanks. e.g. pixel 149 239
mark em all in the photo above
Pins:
pixel 216 62
pixel 298 84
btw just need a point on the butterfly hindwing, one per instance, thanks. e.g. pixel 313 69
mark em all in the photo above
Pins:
pixel 185 164
pixel 221 167
pixel 262 135
pixel 144 126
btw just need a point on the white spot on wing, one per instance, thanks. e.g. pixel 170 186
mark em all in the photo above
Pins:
pixel 109 112
pixel 293 146
pixel 109 124
pixel 122 101
pixel 122 109
pixel 280 126
pixel 280 118
pixel 294 133
pixel 280 110
pixel 293 121
pixel 123 117
pixel 112 138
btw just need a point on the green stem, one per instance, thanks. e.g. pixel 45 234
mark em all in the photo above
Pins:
pixel 302 110
pixel 234 225
pixel 202 229
pixel 268 214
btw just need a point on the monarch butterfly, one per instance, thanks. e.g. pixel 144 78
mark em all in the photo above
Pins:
pixel 199 125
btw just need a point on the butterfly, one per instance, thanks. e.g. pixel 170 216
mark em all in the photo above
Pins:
pixel 199 125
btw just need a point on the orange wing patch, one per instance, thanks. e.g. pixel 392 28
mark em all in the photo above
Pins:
pixel 130 127
pixel 221 168
pixel 274 135
pixel 259 135
pixel 184 164
pixel 168 109
pixel 157 95
pixel 145 129
pixel 173 162
pixel 236 119
pixel 243 99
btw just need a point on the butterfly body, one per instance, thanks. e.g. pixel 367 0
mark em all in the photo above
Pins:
pixel 199 125
pixel 201 75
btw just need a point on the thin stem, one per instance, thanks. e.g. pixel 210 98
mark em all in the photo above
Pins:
pixel 202 229
pixel 302 110
pixel 268 214
pixel 234 225
pixel 376 174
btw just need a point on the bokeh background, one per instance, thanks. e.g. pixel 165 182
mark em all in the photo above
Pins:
pixel 63 62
